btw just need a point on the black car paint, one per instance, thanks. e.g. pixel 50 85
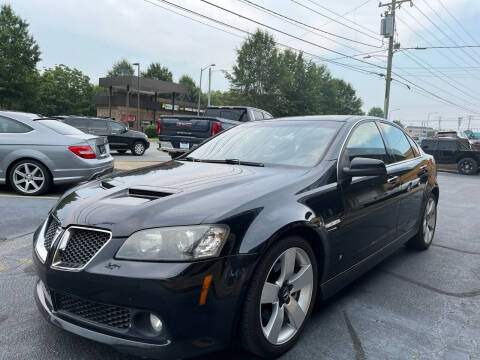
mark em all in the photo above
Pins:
pixel 340 217
pixel 449 151
pixel 123 140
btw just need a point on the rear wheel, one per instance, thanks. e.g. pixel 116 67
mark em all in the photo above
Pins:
pixel 30 177
pixel 424 237
pixel 138 148
pixel 468 166
pixel 280 298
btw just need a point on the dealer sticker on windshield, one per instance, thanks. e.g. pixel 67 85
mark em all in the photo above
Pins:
pixel 184 146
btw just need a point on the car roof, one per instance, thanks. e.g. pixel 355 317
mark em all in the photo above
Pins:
pixel 82 117
pixel 235 107
pixel 18 115
pixel 338 118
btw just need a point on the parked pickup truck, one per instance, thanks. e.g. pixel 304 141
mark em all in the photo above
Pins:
pixel 180 133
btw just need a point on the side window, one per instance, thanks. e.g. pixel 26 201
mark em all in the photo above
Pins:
pixel 267 115
pixel 397 142
pixel 98 126
pixel 116 127
pixel 429 145
pixel 414 146
pixel 12 126
pixel 81 124
pixel 447 145
pixel 257 115
pixel 366 142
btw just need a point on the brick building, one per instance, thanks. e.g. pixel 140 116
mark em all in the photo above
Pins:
pixel 120 100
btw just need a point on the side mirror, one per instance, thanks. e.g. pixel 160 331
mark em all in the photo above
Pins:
pixel 365 167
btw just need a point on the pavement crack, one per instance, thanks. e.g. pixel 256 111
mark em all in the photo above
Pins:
pixel 357 344
pixel 457 250
pixel 468 294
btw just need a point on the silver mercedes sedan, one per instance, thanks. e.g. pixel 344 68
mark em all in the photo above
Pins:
pixel 36 152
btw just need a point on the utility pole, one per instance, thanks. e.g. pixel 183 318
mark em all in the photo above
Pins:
pixel 209 83
pixel 200 87
pixel 469 121
pixel 388 30
pixel 459 123
pixel 138 96
pixel 439 123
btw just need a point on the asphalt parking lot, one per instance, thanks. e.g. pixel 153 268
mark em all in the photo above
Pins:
pixel 415 305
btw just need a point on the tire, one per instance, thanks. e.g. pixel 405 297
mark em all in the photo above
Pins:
pixel 467 166
pixel 30 177
pixel 138 148
pixel 426 232
pixel 121 151
pixel 258 332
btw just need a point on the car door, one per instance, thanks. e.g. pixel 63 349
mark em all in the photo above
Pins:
pixel 447 150
pixel 117 138
pixel 430 147
pixel 370 202
pixel 98 127
pixel 409 170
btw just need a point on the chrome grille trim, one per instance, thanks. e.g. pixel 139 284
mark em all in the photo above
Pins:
pixel 62 244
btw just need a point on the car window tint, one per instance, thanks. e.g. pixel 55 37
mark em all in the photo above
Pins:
pixel 447 145
pixel 12 126
pixel 116 127
pixel 397 142
pixel 414 146
pixel 257 115
pixel 429 144
pixel 60 127
pixel 366 142
pixel 98 125
pixel 267 115
pixel 78 123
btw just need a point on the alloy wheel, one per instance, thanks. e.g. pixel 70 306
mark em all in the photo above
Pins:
pixel 467 166
pixel 429 221
pixel 28 178
pixel 286 296
pixel 139 148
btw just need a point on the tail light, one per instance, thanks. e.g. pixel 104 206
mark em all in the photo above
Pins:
pixel 216 127
pixel 159 126
pixel 84 151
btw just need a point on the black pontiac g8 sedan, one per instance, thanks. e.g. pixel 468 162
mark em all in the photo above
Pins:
pixel 232 243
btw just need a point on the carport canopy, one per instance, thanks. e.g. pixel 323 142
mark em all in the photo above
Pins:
pixel 146 85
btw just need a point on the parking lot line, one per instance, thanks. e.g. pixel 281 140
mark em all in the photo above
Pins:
pixel 28 197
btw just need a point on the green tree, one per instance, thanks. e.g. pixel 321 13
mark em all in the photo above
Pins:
pixel 19 55
pixel 64 90
pixel 192 90
pixel 377 112
pixel 157 71
pixel 121 68
pixel 345 101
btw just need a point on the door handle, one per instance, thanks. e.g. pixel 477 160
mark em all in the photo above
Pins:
pixel 392 180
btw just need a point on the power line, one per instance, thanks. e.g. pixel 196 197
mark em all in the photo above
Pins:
pixel 440 47
pixel 299 22
pixel 294 22
pixel 349 12
pixel 343 17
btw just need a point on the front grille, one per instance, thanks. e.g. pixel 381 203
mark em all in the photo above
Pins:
pixel 114 316
pixel 82 245
pixel 52 227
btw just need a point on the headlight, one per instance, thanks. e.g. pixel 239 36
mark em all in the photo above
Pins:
pixel 175 243
pixel 39 242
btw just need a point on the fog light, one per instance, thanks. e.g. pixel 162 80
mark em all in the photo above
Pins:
pixel 156 323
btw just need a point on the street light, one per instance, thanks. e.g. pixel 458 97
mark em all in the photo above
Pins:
pixel 200 86
pixel 391 112
pixel 138 94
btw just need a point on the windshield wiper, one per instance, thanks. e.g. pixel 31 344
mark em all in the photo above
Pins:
pixel 233 161
pixel 189 158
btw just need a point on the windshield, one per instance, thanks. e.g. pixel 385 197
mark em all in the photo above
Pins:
pixel 231 114
pixel 300 143
pixel 60 127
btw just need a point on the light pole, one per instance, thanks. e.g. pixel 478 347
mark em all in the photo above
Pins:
pixel 138 94
pixel 390 112
pixel 428 119
pixel 200 87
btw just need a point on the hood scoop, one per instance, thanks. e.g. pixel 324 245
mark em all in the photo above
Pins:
pixel 107 185
pixel 147 193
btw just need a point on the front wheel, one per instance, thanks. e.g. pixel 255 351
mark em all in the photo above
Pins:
pixel 280 298
pixel 138 148
pixel 424 237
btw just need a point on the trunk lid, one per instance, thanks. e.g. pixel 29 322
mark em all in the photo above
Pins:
pixel 186 126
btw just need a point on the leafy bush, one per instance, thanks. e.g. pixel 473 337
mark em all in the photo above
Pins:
pixel 151 131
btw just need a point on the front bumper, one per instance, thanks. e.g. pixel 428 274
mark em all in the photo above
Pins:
pixel 169 290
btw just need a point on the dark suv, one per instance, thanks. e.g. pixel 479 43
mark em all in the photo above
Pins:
pixel 119 137
pixel 453 153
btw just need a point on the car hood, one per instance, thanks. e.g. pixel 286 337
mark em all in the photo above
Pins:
pixel 173 193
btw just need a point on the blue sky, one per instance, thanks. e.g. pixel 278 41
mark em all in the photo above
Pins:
pixel 92 34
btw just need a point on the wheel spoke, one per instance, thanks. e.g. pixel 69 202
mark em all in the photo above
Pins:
pixel 269 293
pixel 302 278
pixel 19 173
pixel 288 265
pixel 27 186
pixel 275 324
pixel 27 169
pixel 296 316
pixel 37 178
pixel 22 180
pixel 35 170
pixel 34 184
